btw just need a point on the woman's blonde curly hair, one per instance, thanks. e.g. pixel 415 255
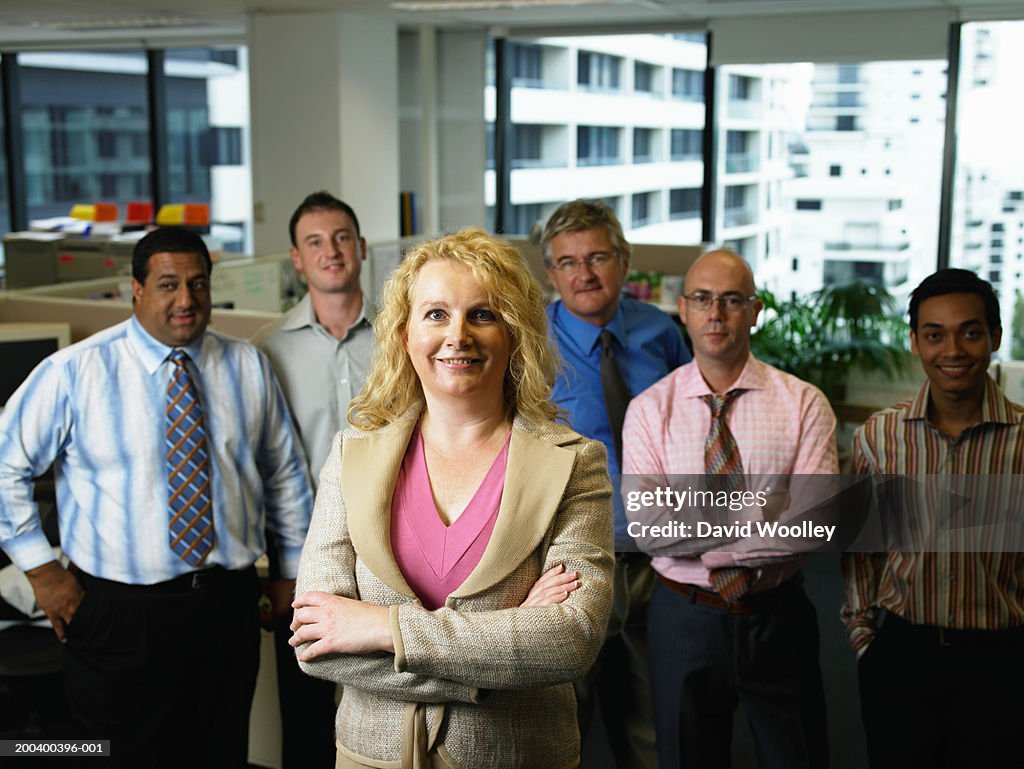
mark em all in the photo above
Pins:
pixel 514 294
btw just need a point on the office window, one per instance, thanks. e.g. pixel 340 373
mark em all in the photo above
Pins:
pixel 5 216
pixel 989 176
pixel 526 151
pixel 207 144
pixel 687 144
pixel 598 71
pixel 846 123
pixel 644 78
pixel 835 170
pixel 808 205
pixel 524 218
pixel 598 145
pixel 633 148
pixel 688 84
pixel 86 129
pixel 848 73
pixel 644 150
pixel 684 204
pixel 741 154
pixel 642 208
pixel 739 207
pixel 527 65
pixel 741 87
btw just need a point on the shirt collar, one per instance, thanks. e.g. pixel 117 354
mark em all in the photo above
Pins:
pixel 303 316
pixel 753 377
pixel 587 334
pixel 153 352
pixel 996 408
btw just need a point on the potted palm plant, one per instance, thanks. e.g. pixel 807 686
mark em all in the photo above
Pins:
pixel 821 336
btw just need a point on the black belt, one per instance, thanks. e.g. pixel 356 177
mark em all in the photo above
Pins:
pixel 973 638
pixel 194 580
pixel 751 603
pixel 632 556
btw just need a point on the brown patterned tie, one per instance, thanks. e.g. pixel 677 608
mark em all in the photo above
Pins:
pixel 724 470
pixel 190 503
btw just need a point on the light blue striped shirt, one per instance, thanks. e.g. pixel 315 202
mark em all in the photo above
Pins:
pixel 96 410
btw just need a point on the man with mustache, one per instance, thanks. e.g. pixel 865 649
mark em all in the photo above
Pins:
pixel 725 629
pixel 173 452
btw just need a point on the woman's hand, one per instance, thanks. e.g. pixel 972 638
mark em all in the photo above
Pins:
pixel 552 588
pixel 338 625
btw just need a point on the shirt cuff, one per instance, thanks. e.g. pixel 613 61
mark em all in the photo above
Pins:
pixel 289 563
pixel 861 633
pixel 28 550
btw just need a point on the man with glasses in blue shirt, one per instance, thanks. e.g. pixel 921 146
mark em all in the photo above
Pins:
pixel 613 348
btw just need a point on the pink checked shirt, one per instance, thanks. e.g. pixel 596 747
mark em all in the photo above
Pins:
pixel 781 424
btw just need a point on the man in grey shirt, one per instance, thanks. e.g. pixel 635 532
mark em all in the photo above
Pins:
pixel 321 348
pixel 320 351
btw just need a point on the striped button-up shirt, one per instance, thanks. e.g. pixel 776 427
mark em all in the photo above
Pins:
pixel 962 590
pixel 96 410
pixel 781 425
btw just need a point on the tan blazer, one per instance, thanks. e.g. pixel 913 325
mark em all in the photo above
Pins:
pixel 478 682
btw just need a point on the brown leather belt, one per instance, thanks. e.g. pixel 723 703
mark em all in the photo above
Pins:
pixel 751 603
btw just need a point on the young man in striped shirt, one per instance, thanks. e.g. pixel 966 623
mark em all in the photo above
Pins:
pixel 938 630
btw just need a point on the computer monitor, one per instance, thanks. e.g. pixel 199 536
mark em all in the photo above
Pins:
pixel 23 346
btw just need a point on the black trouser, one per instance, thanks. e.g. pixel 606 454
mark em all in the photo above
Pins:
pixel 942 698
pixel 618 682
pixel 307 708
pixel 166 672
pixel 707 660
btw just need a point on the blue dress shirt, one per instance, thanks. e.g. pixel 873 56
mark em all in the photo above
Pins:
pixel 648 346
pixel 96 410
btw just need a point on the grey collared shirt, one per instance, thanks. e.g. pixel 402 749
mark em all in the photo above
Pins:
pixel 319 373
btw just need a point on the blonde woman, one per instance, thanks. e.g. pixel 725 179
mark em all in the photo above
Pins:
pixel 457 573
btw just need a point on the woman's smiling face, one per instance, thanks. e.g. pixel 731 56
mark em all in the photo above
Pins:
pixel 457 343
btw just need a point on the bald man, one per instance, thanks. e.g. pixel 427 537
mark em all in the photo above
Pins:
pixel 726 627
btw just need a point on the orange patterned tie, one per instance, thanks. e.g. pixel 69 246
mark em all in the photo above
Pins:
pixel 188 467
pixel 724 469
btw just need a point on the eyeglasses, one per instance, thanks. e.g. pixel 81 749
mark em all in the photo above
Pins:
pixel 595 260
pixel 730 302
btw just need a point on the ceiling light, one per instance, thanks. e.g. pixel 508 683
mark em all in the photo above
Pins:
pixel 489 5
pixel 142 22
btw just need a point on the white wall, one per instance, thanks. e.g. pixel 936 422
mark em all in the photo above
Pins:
pixel 324 93
pixel 455 104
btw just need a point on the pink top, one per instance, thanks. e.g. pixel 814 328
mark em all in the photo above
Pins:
pixel 782 425
pixel 434 558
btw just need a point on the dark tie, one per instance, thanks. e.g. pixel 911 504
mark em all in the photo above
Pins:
pixel 616 394
pixel 188 467
pixel 724 468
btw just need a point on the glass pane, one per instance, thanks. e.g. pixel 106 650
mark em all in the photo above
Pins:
pixel 988 196
pixel 829 172
pixel 5 209
pixel 612 117
pixel 86 130
pixel 208 138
